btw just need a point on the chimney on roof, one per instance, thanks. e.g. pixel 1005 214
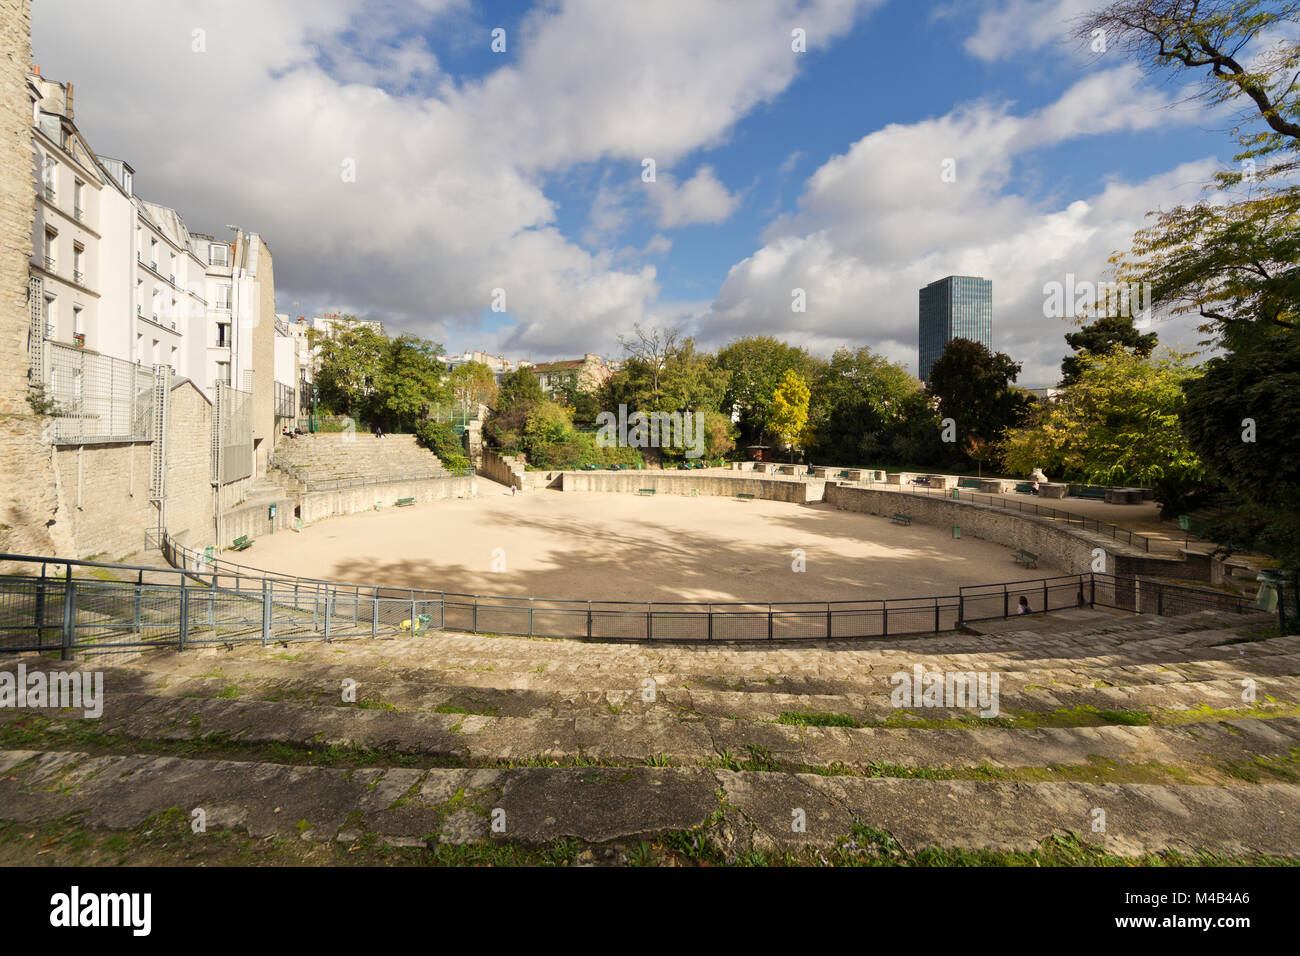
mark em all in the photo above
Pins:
pixel 36 68
pixel 68 103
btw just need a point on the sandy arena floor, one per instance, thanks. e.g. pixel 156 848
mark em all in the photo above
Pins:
pixel 629 548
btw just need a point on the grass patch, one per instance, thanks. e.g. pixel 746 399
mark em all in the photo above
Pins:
pixel 801 718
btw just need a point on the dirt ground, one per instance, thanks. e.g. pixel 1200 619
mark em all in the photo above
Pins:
pixel 615 547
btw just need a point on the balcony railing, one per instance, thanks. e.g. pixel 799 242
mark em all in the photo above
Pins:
pixel 78 277
pixel 49 263
pixel 49 194
pixel 78 213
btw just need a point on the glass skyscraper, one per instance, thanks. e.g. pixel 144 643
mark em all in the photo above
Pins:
pixel 958 307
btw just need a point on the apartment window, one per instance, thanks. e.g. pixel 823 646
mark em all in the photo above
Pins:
pixel 173 358
pixel 173 268
pixel 153 254
pixel 127 180
pixel 218 254
pixel 139 297
pixel 78 263
pixel 223 335
pixel 223 372
pixel 49 176
pixel 78 192
pixel 51 237
pixel 50 316
pixel 156 351
pixel 223 297
pixel 139 347
pixel 78 326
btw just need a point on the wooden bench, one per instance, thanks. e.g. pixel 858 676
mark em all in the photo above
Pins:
pixel 645 491
pixel 242 543
pixel 744 496
pixel 902 519
pixel 1027 558
pixel 405 502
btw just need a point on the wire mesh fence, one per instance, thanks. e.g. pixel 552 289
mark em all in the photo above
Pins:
pixel 232 435
pixel 70 607
pixel 95 398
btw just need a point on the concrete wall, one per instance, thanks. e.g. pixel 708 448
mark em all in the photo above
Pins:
pixel 263 358
pixel 318 505
pixel 1056 544
pixel 106 489
pixel 506 469
pixel 189 467
pixel 686 483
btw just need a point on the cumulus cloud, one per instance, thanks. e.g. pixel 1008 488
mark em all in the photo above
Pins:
pixel 878 222
pixel 449 199
pixel 702 198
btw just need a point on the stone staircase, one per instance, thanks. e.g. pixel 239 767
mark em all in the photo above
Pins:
pixel 332 456
pixel 1183 732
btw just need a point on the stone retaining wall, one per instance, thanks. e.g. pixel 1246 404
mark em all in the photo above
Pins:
pixel 317 505
pixel 688 483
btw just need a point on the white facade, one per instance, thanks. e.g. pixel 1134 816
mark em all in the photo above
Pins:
pixel 124 277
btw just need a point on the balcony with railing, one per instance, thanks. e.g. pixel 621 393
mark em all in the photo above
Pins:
pixel 49 263
pixel 78 277
pixel 78 213
pixel 49 194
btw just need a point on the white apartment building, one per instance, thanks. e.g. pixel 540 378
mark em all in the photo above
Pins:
pixel 123 277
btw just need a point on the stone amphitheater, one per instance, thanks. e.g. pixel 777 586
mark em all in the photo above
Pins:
pixel 1114 738
pixel 1117 735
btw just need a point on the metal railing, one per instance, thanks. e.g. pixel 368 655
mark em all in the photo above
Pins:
pixel 70 606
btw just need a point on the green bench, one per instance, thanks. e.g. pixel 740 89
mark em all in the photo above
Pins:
pixel 242 543
pixel 645 491
pixel 1027 558
pixel 405 502
pixel 1025 488
pixel 969 483
pixel 842 474
pixel 744 496
pixel 1098 493
pixel 902 519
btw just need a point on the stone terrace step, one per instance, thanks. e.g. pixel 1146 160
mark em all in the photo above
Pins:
pixel 636 738
pixel 411 807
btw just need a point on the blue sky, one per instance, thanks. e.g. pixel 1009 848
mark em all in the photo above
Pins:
pixel 521 170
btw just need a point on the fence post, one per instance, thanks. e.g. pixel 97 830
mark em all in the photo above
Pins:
pixel 884 619
pixel 769 622
pixel 40 608
pixel 649 623
pixel 415 622
pixel 961 607
pixel 328 601
pixel 474 629
pixel 266 610
pixel 1006 606
pixel 530 617
pixel 135 604
pixel 588 619
pixel 829 631
pixel 1160 600
pixel 69 614
pixel 183 630
pixel 1092 589
pixel 374 613
pixel 356 599
pixel 1044 594
pixel 936 615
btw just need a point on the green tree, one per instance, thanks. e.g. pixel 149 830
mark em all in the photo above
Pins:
pixel 411 377
pixel 351 359
pixel 473 384
pixel 755 366
pixel 1118 424
pixel 857 405
pixel 974 388
pixel 788 417
pixel 1099 337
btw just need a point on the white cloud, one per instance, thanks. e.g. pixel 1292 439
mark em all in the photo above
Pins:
pixel 449 198
pixel 877 223
pixel 702 198
pixel 1014 26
